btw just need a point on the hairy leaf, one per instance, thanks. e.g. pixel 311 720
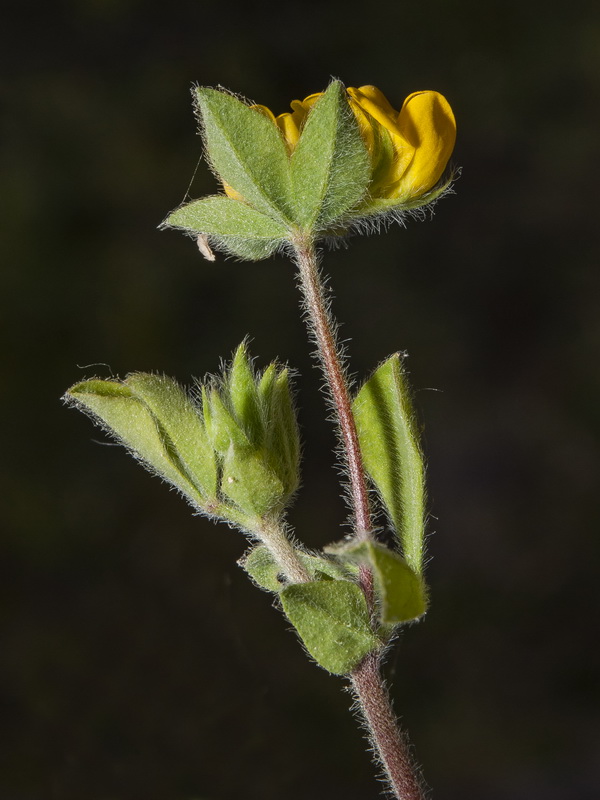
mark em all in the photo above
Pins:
pixel 400 590
pixel 247 151
pixel 332 620
pixel 115 407
pixel 330 165
pixel 391 454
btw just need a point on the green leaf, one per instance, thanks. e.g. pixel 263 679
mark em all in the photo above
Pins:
pixel 330 165
pixel 223 216
pixel 264 570
pixel 392 456
pixel 401 591
pixel 247 151
pixel 332 620
pixel 182 421
pixel 114 407
pixel 246 249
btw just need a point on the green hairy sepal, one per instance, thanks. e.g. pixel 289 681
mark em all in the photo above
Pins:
pixel 232 449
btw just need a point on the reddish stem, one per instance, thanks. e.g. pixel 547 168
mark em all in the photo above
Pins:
pixel 372 696
pixel 388 740
pixel 323 330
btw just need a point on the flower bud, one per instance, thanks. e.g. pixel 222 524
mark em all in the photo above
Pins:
pixel 233 449
pixel 252 426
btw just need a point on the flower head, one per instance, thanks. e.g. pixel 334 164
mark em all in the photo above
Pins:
pixel 339 159
pixel 409 149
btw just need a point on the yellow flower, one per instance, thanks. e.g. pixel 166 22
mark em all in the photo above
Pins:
pixel 409 148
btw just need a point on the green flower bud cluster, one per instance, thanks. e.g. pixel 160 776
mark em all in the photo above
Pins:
pixel 232 449
pixel 252 427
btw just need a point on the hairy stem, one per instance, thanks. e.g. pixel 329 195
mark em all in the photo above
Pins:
pixel 389 743
pixel 372 697
pixel 286 556
pixel 323 330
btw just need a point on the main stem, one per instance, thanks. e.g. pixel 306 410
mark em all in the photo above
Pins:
pixel 322 327
pixel 389 743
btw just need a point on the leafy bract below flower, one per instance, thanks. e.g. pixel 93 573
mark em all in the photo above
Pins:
pixel 338 159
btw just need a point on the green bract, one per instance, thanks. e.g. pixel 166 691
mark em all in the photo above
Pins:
pixel 330 165
pixel 274 196
pixel 260 564
pixel 232 226
pixel 332 620
pixel 247 153
pixel 392 456
pixel 401 592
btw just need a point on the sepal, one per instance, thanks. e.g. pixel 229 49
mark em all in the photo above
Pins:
pixel 252 425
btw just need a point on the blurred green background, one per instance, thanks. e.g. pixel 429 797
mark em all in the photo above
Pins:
pixel 137 660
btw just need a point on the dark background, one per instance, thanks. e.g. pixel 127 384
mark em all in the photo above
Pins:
pixel 137 659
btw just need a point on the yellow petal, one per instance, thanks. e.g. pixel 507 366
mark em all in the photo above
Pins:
pixel 375 103
pixel 422 135
pixel 266 112
pixel 380 112
pixel 365 126
pixel 231 192
pixel 290 128
pixel 426 121
pixel 290 124
pixel 309 101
